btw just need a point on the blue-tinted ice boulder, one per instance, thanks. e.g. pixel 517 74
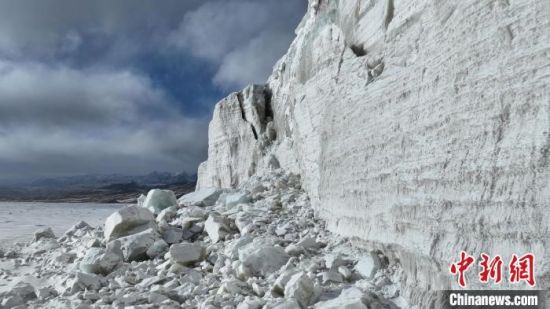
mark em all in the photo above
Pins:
pixel 157 200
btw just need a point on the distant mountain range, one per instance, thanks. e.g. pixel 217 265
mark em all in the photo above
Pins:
pixel 110 188
pixel 92 180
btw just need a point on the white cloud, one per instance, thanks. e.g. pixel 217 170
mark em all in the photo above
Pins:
pixel 252 62
pixel 218 27
pixel 244 38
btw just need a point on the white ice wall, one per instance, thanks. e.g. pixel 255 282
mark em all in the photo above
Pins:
pixel 422 127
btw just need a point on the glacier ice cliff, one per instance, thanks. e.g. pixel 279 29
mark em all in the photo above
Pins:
pixel 419 127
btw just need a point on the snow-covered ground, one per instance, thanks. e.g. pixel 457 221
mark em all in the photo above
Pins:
pixel 19 220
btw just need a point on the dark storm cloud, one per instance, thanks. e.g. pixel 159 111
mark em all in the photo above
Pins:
pixel 87 86
pixel 41 95
pixel 65 121
pixel 48 27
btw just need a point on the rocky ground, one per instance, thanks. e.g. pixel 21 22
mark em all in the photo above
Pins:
pixel 257 247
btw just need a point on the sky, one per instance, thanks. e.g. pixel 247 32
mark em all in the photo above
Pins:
pixel 126 86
